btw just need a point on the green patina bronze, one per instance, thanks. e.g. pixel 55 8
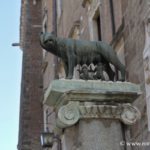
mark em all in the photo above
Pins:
pixel 73 52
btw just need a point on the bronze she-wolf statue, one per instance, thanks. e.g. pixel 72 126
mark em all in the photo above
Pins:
pixel 73 52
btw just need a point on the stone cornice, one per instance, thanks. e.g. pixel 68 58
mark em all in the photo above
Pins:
pixel 61 90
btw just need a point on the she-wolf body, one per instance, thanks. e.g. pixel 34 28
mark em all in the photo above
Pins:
pixel 81 52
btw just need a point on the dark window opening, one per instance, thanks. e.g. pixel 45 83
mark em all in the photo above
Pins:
pixel 97 35
pixel 98 20
pixel 45 27
pixel 112 17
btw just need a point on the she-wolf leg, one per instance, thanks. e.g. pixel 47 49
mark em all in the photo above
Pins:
pixel 66 68
pixel 109 71
pixel 116 62
pixel 71 65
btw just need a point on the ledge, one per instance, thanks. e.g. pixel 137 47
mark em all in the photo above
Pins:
pixel 61 91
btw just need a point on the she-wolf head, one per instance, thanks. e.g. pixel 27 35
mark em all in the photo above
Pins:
pixel 47 40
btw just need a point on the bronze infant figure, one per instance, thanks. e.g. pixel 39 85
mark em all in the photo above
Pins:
pixel 73 52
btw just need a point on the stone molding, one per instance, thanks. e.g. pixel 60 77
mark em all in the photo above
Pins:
pixel 60 91
pixel 77 99
pixel 70 114
pixel 130 114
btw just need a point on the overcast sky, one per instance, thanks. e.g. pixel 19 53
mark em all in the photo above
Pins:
pixel 10 74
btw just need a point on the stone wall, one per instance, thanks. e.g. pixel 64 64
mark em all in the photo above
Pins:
pixel 72 12
pixel 134 14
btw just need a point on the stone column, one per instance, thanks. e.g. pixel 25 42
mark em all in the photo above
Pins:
pixel 91 113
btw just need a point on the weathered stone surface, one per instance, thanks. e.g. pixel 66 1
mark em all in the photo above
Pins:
pixel 70 114
pixel 88 111
pixel 135 13
pixel 93 135
pixel 103 134
pixel 78 90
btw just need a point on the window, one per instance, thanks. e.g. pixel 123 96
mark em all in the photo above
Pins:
pixel 112 17
pixel 116 15
pixel 96 21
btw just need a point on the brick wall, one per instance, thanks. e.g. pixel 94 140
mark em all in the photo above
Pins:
pixel 31 113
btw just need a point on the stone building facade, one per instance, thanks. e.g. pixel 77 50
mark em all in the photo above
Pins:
pixel 124 24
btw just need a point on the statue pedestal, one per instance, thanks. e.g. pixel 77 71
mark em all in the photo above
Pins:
pixel 91 112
